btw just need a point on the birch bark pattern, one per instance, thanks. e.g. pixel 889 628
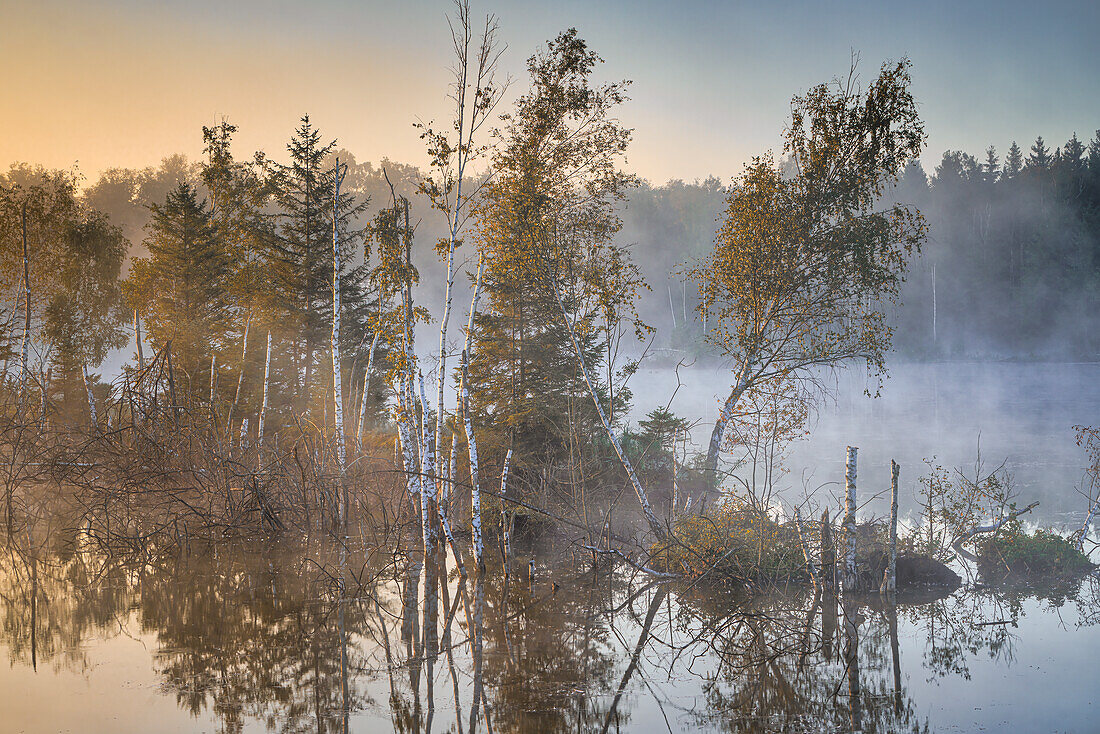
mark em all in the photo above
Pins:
pixel 24 357
pixel 263 408
pixel 643 498
pixel 806 549
pixel 891 581
pixel 723 419
pixel 475 488
pixel 337 392
pixel 851 578
pixel 88 389
pixel 506 517
pixel 366 390
pixel 213 377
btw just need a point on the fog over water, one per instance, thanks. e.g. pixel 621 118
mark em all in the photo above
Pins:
pixel 1022 412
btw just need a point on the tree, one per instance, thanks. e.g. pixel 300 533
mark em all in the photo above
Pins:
pixel 992 166
pixel 1014 161
pixel 1040 159
pixel 475 93
pixel 802 264
pixel 302 265
pixel 74 261
pixel 181 288
pixel 556 283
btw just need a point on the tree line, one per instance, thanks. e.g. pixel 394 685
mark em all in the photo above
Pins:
pixel 280 309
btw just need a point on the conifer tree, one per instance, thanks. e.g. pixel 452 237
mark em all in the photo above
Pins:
pixel 181 288
pixel 302 266
pixel 1014 162
pixel 546 225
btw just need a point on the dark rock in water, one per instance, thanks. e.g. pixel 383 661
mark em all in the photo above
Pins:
pixel 913 571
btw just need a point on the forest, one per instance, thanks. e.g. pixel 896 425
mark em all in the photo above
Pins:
pixel 411 387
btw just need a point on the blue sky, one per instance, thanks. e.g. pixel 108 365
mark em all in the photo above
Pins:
pixel 127 82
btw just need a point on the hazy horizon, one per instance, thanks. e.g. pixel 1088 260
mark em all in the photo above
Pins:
pixel 124 84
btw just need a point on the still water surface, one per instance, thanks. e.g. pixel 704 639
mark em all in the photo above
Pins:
pixel 265 639
pixel 299 637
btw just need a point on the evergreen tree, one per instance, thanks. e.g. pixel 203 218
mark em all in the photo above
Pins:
pixel 992 166
pixel 1014 161
pixel 546 225
pixel 181 288
pixel 1040 158
pixel 302 267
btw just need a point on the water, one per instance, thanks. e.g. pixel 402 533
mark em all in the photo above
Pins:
pixel 268 637
pixel 295 635
pixel 1021 414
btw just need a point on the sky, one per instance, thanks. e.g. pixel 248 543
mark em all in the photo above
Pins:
pixel 124 83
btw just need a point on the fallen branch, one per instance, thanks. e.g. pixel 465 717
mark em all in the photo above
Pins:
pixel 961 538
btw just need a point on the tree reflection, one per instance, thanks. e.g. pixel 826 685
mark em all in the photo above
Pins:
pixel 293 639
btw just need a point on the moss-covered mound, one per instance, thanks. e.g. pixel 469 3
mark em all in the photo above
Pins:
pixel 732 543
pixel 1015 553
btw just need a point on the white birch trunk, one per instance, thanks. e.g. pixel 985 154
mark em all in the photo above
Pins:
pixel 263 407
pixel 337 392
pixel 506 517
pixel 213 378
pixel 91 397
pixel 892 569
pixel 851 577
pixel 24 357
pixel 475 487
pixel 806 549
pixel 366 391
pixel 643 498
pixel 724 417
pixel 137 339
pixel 427 471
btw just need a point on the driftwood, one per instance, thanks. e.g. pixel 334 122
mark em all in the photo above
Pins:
pixel 963 537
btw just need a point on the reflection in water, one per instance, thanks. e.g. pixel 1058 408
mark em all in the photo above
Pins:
pixel 302 640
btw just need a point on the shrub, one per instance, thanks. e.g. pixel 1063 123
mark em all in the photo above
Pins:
pixel 732 541
pixel 1017 553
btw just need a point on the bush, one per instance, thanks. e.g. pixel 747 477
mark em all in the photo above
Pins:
pixel 734 542
pixel 1019 554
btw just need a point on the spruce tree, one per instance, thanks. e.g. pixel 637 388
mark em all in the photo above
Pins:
pixel 546 225
pixel 181 288
pixel 302 267
pixel 1014 162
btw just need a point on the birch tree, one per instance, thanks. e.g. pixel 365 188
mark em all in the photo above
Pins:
pixel 804 264
pixel 475 94
pixel 552 272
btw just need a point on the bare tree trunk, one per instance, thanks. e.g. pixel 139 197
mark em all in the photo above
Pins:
pixel 137 339
pixel 91 397
pixel 240 377
pixel 851 577
pixel 337 392
pixel 475 487
pixel 213 378
pixel 427 471
pixel 806 549
pixel 505 515
pixel 828 553
pixel 263 407
pixel 24 357
pixel 723 419
pixel 643 498
pixel 891 581
pixel 366 390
